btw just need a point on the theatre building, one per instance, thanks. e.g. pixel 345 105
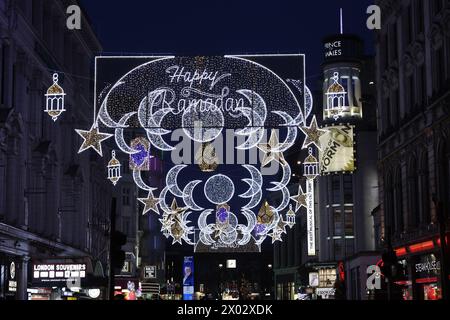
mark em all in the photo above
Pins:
pixel 413 78
pixel 347 188
pixel 348 183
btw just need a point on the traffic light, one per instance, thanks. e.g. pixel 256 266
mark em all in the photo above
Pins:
pixel 118 239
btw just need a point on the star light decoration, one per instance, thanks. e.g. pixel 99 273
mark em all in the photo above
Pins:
pixel 150 203
pixel 300 199
pixel 269 149
pixel 93 139
pixel 174 224
pixel 313 134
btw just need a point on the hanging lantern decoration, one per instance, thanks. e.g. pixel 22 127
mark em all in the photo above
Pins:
pixel 311 166
pixel 336 96
pixel 114 166
pixel 206 158
pixel 140 161
pixel 55 99
pixel 290 217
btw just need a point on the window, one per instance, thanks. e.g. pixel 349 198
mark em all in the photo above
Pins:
pixel 37 15
pixel 440 57
pixel 436 7
pixel 398 202
pixel 327 277
pixel 336 189
pixel 348 189
pixel 413 195
pixel 386 51
pixel 422 86
pixel 425 191
pixel 338 249
pixel 14 86
pixel 349 227
pixel 419 21
pixel 410 94
pixel 338 222
pixel 395 108
pixel 407 26
pixel 393 42
pixel 4 75
pixel 387 111
pixel 444 177
pixel 126 225
pixel 349 247
pixel 126 197
pixel 356 283
pixel 156 243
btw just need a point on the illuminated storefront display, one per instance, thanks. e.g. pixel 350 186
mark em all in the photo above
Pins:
pixel 338 152
pixel 58 272
pixel 9 278
pixel 327 276
pixel 66 279
pixel 422 266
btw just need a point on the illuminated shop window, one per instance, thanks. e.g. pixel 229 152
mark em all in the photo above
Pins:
pixel 327 277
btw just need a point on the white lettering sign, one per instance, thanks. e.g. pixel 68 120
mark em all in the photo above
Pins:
pixel 428 266
pixel 333 49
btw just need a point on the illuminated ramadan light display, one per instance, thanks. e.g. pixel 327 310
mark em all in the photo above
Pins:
pixel 203 97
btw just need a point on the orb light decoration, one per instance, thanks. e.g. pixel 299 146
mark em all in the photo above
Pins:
pixel 205 97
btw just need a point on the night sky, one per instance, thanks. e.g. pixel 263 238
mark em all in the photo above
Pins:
pixel 202 27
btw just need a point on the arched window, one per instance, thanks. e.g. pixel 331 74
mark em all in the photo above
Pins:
pixel 398 202
pixel 444 176
pixel 424 177
pixel 389 216
pixel 413 195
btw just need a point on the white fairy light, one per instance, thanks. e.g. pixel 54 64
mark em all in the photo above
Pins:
pixel 165 94
pixel 188 197
pixel 171 180
pixel 140 182
pixel 291 135
pixel 219 189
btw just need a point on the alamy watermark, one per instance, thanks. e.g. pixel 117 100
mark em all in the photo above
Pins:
pixel 74 18
pixel 374 278
pixel 374 20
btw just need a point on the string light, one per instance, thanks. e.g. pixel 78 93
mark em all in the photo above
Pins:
pixel 168 93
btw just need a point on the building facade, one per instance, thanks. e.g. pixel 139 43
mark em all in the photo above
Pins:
pixel 348 187
pixel 53 207
pixel 413 77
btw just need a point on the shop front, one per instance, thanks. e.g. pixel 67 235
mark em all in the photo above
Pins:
pixel 422 269
pixel 9 277
pixel 65 279
pixel 127 288
pixel 323 281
